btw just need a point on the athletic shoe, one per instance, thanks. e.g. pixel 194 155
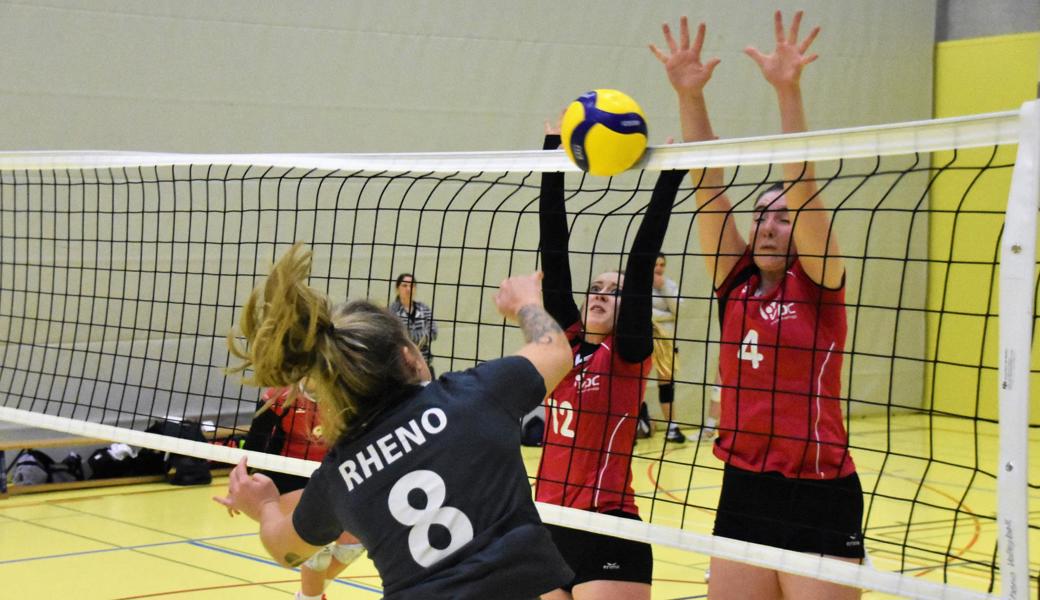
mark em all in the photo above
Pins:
pixel 674 435
pixel 707 435
pixel 643 429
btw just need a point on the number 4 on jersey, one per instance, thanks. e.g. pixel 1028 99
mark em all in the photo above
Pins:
pixel 749 349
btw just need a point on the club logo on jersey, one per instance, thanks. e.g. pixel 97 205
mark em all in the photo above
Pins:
pixel 583 382
pixel 777 311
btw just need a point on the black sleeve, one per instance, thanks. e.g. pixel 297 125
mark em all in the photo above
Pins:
pixel 634 331
pixel 511 382
pixel 262 435
pixel 314 518
pixel 557 291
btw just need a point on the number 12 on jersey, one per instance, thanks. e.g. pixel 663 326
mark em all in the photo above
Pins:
pixel 749 349
pixel 562 417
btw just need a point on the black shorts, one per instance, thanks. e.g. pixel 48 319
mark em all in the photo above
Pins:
pixel 804 515
pixel 286 483
pixel 595 557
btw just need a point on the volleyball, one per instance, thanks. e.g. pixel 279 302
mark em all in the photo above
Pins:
pixel 604 132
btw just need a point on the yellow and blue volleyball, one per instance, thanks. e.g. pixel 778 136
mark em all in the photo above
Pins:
pixel 604 132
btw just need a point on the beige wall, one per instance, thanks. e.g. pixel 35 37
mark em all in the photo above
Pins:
pixel 240 76
pixel 244 76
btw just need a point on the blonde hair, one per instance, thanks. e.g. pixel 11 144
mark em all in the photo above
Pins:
pixel 351 354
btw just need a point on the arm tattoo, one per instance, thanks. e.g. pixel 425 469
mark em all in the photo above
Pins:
pixel 537 325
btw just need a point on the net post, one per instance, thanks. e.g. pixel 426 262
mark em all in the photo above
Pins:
pixel 1017 276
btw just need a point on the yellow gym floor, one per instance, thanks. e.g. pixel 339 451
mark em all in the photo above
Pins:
pixel 161 541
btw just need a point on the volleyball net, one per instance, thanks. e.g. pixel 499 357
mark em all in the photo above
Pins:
pixel 121 275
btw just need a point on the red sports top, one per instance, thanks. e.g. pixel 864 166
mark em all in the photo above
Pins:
pixel 781 357
pixel 299 423
pixel 590 430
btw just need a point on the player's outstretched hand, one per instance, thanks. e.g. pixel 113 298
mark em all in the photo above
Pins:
pixel 247 493
pixel 682 62
pixel 517 292
pixel 553 127
pixel 783 68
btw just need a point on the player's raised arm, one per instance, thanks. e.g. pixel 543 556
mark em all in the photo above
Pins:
pixel 554 247
pixel 519 299
pixel 721 243
pixel 814 239
pixel 635 315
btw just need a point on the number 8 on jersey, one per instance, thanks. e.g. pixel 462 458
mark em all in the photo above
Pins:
pixel 460 529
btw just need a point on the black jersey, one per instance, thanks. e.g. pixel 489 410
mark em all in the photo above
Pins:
pixel 437 492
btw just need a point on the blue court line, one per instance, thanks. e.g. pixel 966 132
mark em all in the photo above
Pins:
pixel 199 543
pixel 119 548
pixel 86 552
pixel 264 561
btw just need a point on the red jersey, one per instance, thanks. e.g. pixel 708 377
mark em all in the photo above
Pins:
pixel 780 363
pixel 299 423
pixel 590 431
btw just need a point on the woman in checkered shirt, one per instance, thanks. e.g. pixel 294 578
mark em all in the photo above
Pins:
pixel 416 317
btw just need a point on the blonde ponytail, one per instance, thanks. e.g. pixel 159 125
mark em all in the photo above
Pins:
pixel 351 354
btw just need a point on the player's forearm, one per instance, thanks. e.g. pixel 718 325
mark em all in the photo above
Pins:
pixel 274 522
pixel 792 120
pixel 557 291
pixel 693 118
pixel 547 346
pixel 634 335
pixel 696 127
pixel 540 328
pixel 792 108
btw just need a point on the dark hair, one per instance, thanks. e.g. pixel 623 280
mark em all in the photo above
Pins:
pixel 351 354
pixel 776 187
pixel 400 279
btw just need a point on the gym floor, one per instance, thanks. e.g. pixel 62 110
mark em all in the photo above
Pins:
pixel 162 541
